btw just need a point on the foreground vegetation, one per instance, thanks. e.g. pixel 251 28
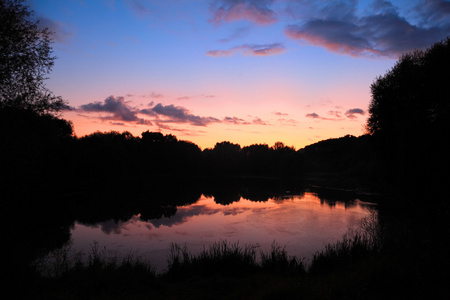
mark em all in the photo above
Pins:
pixel 223 270
pixel 365 264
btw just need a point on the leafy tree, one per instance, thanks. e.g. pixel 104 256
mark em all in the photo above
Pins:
pixel 413 98
pixel 25 60
pixel 409 116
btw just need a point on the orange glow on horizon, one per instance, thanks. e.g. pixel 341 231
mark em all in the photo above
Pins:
pixel 298 136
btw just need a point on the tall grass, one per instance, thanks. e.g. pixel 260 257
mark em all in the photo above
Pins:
pixel 66 260
pixel 360 242
pixel 66 274
pixel 220 257
pixel 278 261
pixel 230 259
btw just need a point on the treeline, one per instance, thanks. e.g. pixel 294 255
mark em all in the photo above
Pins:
pixel 153 155
pixel 42 150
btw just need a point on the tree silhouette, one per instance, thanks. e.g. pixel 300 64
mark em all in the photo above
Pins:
pixel 35 149
pixel 25 60
pixel 225 158
pixel 412 98
pixel 409 115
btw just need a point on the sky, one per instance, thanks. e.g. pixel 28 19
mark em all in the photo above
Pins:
pixel 244 71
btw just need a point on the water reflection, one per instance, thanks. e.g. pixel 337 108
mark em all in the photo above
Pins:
pixel 303 222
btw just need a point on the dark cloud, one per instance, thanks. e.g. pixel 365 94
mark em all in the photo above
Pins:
pixel 351 113
pixel 433 13
pixel 116 106
pixel 119 112
pixel 313 115
pixel 381 31
pixel 251 50
pixel 235 120
pixel 180 114
pixel 256 11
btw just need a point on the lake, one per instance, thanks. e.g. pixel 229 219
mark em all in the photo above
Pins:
pixel 304 222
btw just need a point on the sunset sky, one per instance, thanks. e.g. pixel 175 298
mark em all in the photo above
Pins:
pixel 244 71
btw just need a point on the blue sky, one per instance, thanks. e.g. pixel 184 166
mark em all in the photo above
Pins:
pixel 244 71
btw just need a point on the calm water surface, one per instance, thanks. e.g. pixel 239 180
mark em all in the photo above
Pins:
pixel 303 223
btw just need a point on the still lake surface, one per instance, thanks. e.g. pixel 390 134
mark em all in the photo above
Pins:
pixel 304 223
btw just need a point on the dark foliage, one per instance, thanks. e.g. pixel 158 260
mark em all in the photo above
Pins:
pixel 349 161
pixel 409 117
pixel 35 149
pixel 25 59
pixel 154 155
pixel 228 159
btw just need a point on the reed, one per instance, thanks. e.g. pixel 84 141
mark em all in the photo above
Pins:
pixel 360 242
pixel 221 269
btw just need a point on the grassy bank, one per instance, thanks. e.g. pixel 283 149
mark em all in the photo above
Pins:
pixel 223 271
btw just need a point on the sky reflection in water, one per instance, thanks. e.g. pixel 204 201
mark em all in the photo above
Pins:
pixel 304 224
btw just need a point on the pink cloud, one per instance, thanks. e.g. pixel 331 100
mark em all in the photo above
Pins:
pixel 219 53
pixel 258 121
pixel 331 43
pixel 251 50
pixel 256 11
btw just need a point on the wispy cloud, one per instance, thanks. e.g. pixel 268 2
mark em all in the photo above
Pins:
pixel 259 121
pixel 220 53
pixel 256 11
pixel 62 33
pixel 235 120
pixel 287 122
pixel 251 50
pixel 138 7
pixel 152 95
pixel 236 34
